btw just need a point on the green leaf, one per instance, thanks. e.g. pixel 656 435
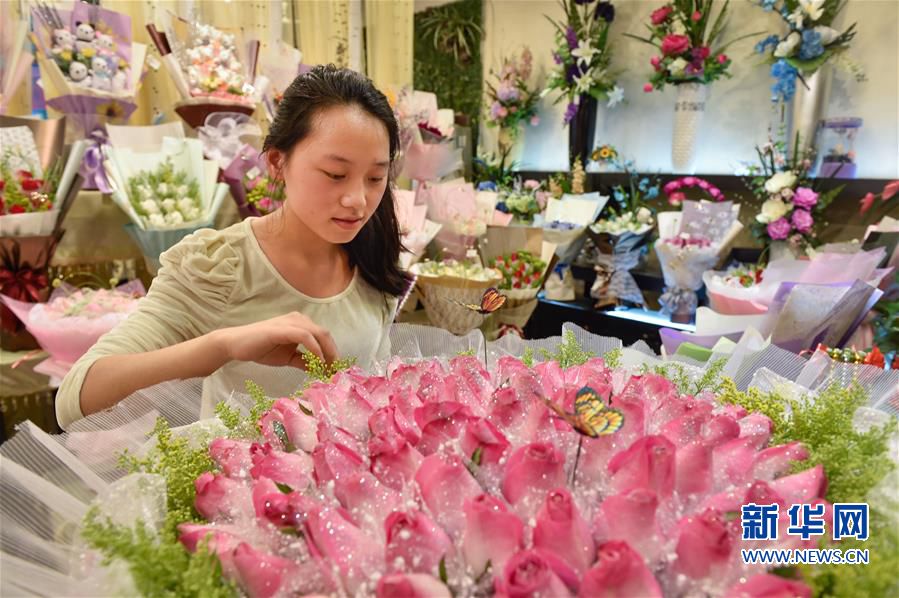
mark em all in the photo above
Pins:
pixel 305 409
pixel 284 488
pixel 477 456
pixel 281 432
pixel 442 571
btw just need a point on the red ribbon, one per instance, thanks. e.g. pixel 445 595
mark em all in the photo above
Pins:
pixel 25 284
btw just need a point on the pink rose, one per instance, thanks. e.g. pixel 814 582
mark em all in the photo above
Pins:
pixel 395 468
pixel 697 16
pixel 647 88
pixel 445 485
pixel 481 434
pixel 492 533
pixel 292 469
pixel 674 44
pixel 299 427
pixel 531 184
pixel 416 585
pixel 767 585
pixel 528 574
pixel 366 498
pixel 440 423
pixel 722 58
pixel 345 405
pixel 889 190
pixel 866 202
pixel 619 572
pixel 689 181
pixel 391 425
pixel 232 456
pixel 531 472
pixel 648 463
pixel 629 516
pixel 779 229
pixel 273 505
pixel 221 540
pixel 535 120
pixel 778 460
pixel 704 543
pixel 415 543
pixel 802 221
pixel 802 487
pixel 656 62
pixel 676 198
pixel 261 575
pixel 562 531
pixel 672 186
pixel 805 198
pixel 660 15
pixel 220 497
pixel 332 460
pixel 338 543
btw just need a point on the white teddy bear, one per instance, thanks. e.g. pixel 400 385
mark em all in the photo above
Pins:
pixel 78 73
pixel 101 74
pixel 63 40
pixel 104 43
pixel 84 34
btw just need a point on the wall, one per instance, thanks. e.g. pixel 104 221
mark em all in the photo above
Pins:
pixel 739 110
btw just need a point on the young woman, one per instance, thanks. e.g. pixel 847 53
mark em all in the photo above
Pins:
pixel 320 274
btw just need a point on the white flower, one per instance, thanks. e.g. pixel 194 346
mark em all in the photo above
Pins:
pixel 191 215
pixel 584 83
pixel 174 218
pixel 813 8
pixel 185 205
pixel 145 192
pixel 644 216
pixel 162 188
pixel 181 191
pixel 615 97
pixel 788 46
pixel 827 34
pixel 786 193
pixel 779 181
pixel 772 210
pixel 169 205
pixel 584 52
pixel 157 220
pixel 677 66
pixel 149 206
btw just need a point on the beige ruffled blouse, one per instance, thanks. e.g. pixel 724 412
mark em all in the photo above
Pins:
pixel 217 279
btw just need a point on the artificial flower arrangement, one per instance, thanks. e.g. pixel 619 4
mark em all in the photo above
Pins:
pixel 443 478
pixel 512 101
pixel 165 197
pixel 792 206
pixel 264 193
pixel 212 62
pixel 689 41
pixel 583 56
pixel 809 43
pixel 743 276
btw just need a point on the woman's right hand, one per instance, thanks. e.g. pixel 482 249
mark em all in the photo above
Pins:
pixel 275 342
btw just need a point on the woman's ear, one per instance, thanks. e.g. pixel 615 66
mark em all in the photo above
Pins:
pixel 275 160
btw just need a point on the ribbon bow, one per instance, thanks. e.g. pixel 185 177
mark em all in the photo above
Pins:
pixel 679 301
pixel 92 167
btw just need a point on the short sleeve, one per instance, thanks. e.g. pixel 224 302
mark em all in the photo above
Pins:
pixel 192 290
pixel 384 349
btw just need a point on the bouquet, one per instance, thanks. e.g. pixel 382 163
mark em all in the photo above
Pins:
pixel 523 200
pixel 279 64
pixel 689 41
pixel 73 319
pixel 446 286
pixel 521 270
pixel 808 45
pixel 253 189
pixel 632 213
pixel 427 153
pixel 444 477
pixel 164 197
pixel 24 277
pixel 511 101
pixel 33 200
pixel 583 56
pixel 463 212
pixel 792 205
pixel 415 229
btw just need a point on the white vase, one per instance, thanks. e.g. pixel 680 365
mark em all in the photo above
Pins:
pixel 689 109
pixel 808 107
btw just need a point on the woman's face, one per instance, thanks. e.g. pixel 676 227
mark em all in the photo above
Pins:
pixel 335 178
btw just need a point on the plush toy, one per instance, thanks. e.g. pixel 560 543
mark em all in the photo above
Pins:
pixel 104 43
pixel 101 74
pixel 119 81
pixel 84 36
pixel 63 41
pixel 78 73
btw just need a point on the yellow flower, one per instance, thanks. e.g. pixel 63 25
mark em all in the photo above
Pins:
pixel 112 110
pixel 88 52
pixel 66 55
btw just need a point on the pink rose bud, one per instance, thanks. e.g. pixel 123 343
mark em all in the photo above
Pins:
pixel 445 485
pixel 531 472
pixel 481 435
pixel 416 585
pixel 415 543
pixel 648 88
pixel 620 571
pixel 220 497
pixel 705 543
pixel 527 574
pixel 562 531
pixel 722 58
pixel 293 469
pixel 770 586
pixel 300 428
pixel 232 456
pixel 648 463
pixel 261 574
pixel 492 533
pixel 697 16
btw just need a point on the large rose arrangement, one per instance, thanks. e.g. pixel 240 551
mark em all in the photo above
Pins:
pixel 443 479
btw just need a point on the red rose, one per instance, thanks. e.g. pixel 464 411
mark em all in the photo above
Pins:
pixel 31 185
pixel 23 174
pixel 2 185
pixel 16 209
pixel 674 45
pixel 660 15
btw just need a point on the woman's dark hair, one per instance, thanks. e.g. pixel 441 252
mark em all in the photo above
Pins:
pixel 376 249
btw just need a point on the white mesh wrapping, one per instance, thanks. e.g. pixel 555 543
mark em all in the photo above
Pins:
pixel 47 483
